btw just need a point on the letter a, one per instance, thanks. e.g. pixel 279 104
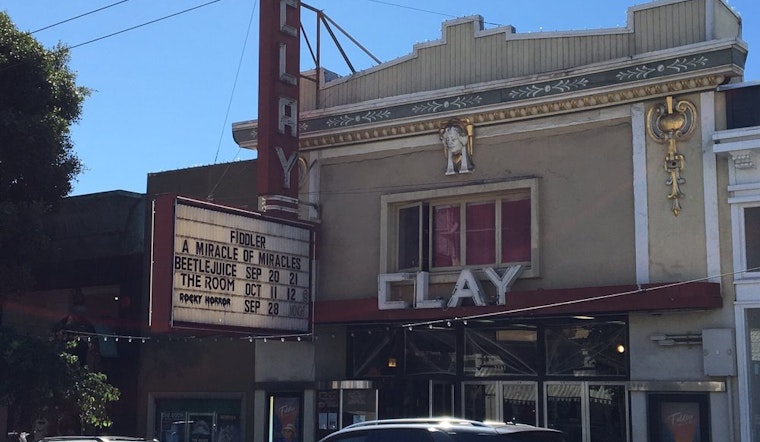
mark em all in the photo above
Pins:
pixel 467 286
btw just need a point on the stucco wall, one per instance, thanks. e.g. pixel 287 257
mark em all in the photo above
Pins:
pixel 585 199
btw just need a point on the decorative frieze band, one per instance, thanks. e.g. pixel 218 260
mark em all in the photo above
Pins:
pixel 518 112
pixel 590 90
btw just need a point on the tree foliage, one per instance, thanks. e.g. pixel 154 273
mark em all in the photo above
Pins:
pixel 43 378
pixel 39 101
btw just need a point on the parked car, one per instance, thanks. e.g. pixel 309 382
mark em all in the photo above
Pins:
pixel 95 439
pixel 442 430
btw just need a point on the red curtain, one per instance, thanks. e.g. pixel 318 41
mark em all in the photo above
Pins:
pixel 446 236
pixel 481 233
pixel 515 230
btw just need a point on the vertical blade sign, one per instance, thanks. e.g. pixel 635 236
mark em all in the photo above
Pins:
pixel 279 70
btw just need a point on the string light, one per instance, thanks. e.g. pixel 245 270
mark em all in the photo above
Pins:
pixel 79 335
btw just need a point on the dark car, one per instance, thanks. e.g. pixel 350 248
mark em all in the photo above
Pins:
pixel 442 430
pixel 95 439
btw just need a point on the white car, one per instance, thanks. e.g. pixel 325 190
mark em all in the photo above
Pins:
pixel 442 430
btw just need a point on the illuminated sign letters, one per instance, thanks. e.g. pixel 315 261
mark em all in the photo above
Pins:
pixel 279 71
pixel 468 286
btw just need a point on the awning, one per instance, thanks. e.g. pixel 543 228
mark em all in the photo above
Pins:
pixel 571 301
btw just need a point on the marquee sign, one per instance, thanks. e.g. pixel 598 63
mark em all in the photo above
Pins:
pixel 228 268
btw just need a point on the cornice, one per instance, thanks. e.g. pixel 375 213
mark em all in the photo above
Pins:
pixel 518 100
pixel 516 113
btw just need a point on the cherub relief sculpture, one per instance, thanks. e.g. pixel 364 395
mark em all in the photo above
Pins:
pixel 456 136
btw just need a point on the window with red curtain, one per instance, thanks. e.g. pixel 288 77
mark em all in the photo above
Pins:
pixel 480 233
pixel 472 232
pixel 446 229
pixel 515 230
pixel 409 237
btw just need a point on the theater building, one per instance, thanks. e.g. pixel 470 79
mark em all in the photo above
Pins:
pixel 527 227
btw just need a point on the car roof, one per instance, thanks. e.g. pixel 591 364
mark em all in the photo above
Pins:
pixel 448 422
pixel 96 439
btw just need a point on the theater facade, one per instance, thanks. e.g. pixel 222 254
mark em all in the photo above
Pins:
pixel 520 227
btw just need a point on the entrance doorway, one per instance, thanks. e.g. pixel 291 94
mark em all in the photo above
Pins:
pixel 503 401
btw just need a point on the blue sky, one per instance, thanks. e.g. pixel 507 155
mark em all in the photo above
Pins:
pixel 166 94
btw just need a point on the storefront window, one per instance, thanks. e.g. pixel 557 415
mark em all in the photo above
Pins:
pixel 678 416
pixel 481 401
pixel 377 353
pixel 430 352
pixel 519 403
pixel 607 413
pixel 285 417
pixel 501 351
pixel 359 405
pixel 564 409
pixel 198 420
pixel 588 411
pixel 594 349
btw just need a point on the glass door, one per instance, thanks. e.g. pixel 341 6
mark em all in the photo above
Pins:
pixel 588 411
pixel 504 401
pixel 564 409
pixel 519 402
pixel 480 401
pixel 441 398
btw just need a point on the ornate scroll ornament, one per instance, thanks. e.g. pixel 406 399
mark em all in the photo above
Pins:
pixel 668 123
pixel 457 135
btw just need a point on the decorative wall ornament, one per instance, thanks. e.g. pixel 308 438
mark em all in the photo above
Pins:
pixel 742 159
pixel 365 117
pixel 443 105
pixel 668 123
pixel 676 66
pixel 457 135
pixel 556 87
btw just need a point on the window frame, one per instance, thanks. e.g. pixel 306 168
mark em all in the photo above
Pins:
pixel 744 244
pixel 427 199
pixel 740 238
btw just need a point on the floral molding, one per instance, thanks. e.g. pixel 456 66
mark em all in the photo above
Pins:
pixel 497 104
pixel 517 112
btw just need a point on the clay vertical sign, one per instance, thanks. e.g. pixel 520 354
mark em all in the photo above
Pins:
pixel 279 70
